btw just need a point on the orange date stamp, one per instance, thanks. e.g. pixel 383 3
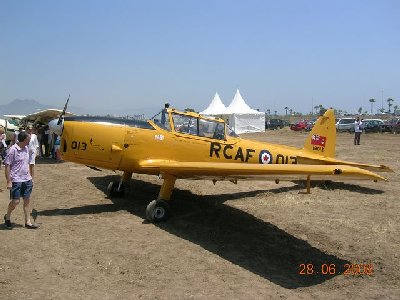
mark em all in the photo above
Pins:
pixel 331 269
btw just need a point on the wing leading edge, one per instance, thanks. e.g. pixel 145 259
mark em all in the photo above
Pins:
pixel 207 170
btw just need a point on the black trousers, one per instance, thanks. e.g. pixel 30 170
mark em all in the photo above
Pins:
pixel 357 136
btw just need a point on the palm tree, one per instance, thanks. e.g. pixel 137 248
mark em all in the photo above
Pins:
pixel 360 110
pixel 389 101
pixel 396 107
pixel 286 108
pixel 316 107
pixel 322 109
pixel 372 101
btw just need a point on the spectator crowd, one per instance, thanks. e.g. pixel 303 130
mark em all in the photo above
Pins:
pixel 43 143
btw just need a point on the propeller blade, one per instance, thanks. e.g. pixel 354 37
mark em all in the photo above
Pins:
pixel 63 112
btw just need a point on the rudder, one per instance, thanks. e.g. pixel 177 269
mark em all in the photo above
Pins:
pixel 322 138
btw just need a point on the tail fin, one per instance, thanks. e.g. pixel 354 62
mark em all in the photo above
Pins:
pixel 322 138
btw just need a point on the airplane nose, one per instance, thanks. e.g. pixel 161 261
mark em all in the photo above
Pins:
pixel 55 128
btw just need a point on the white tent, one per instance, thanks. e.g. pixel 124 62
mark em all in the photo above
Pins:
pixel 242 118
pixel 216 107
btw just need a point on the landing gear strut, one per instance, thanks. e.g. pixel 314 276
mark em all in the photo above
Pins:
pixel 117 189
pixel 157 210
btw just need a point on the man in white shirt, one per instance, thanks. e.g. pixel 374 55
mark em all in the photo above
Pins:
pixel 33 149
pixel 357 131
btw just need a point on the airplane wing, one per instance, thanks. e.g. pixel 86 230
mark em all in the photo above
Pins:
pixel 228 171
pixel 45 116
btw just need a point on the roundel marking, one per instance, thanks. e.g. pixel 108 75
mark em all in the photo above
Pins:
pixel 265 157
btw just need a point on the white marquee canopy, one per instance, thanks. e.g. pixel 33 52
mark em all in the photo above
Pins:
pixel 239 115
pixel 216 107
pixel 239 106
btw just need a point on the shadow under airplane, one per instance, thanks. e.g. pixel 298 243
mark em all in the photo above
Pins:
pixel 253 244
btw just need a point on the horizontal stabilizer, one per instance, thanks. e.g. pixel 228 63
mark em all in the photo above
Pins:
pixel 333 161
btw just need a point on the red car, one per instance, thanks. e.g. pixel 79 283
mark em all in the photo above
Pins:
pixel 299 126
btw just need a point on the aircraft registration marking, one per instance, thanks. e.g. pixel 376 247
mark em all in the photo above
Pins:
pixel 78 145
pixel 265 157
pixel 215 148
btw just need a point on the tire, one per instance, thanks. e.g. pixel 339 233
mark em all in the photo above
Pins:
pixel 112 189
pixel 158 211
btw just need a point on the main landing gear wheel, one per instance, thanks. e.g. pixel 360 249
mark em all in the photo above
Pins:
pixel 112 189
pixel 158 211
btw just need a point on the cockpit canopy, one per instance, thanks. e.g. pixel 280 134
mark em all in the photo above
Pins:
pixel 193 124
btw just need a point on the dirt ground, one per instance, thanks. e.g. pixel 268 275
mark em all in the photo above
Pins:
pixel 244 241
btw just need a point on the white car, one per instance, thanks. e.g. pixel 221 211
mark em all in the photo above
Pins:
pixel 345 124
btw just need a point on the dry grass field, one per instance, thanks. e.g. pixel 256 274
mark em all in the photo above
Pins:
pixel 244 241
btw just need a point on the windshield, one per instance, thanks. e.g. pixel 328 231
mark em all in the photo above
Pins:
pixel 193 125
pixel 185 124
pixel 162 119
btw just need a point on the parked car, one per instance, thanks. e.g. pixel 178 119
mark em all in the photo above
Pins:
pixel 299 126
pixel 274 124
pixel 345 124
pixel 370 125
pixel 310 125
pixel 392 125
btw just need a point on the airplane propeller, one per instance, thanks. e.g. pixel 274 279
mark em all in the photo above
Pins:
pixel 63 112
pixel 56 125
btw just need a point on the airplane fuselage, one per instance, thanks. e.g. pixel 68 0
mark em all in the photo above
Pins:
pixel 123 146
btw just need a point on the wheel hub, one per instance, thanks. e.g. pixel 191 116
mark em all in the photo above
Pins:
pixel 159 212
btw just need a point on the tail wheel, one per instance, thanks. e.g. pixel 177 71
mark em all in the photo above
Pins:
pixel 158 211
pixel 113 191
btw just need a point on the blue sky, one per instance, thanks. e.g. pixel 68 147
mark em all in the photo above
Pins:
pixel 132 56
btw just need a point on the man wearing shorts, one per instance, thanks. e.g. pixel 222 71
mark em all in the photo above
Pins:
pixel 19 179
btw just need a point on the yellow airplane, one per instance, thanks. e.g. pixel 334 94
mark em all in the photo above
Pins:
pixel 175 145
